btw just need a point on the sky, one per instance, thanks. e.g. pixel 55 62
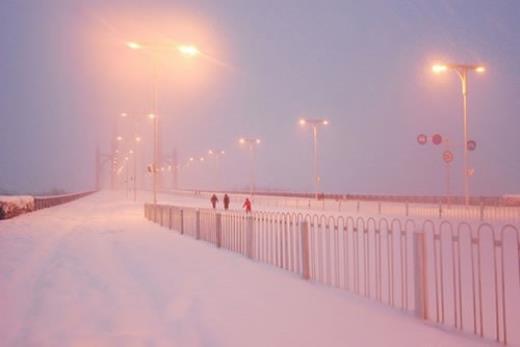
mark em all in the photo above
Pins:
pixel 66 75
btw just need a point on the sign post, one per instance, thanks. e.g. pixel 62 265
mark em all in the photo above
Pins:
pixel 447 156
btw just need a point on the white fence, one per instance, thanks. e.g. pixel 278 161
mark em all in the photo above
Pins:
pixel 454 274
pixel 480 212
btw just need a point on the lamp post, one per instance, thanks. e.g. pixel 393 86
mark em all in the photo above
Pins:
pixel 251 144
pixel 217 154
pixel 133 150
pixel 462 71
pixel 315 124
pixel 186 50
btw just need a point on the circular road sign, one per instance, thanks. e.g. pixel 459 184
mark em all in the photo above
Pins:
pixel 422 139
pixel 471 145
pixel 447 156
pixel 437 139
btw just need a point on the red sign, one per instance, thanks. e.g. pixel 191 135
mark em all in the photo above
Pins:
pixel 422 139
pixel 471 145
pixel 437 139
pixel 447 156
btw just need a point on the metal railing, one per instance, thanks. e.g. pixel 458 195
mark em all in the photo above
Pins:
pixel 453 274
pixel 41 202
pixel 484 211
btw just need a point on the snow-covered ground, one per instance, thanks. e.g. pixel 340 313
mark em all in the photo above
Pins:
pixel 94 272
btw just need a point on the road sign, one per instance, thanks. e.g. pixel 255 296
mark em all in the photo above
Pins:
pixel 471 145
pixel 422 139
pixel 447 156
pixel 437 139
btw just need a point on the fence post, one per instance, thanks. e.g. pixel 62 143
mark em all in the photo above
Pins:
pixel 162 215
pixel 170 222
pixel 197 225
pixel 379 207
pixel 182 222
pixel 155 213
pixel 407 209
pixel 218 229
pixel 421 294
pixel 481 211
pixel 357 206
pixel 249 236
pixel 305 249
pixel 440 209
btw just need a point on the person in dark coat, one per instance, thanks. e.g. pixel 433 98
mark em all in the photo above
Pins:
pixel 214 201
pixel 226 201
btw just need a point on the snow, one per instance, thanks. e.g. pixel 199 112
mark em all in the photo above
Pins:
pixel 452 276
pixel 94 272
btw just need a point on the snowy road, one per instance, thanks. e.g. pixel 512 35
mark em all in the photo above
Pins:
pixel 94 272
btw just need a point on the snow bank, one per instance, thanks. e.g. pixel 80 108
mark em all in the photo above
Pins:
pixel 11 206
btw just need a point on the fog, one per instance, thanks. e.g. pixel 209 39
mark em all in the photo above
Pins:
pixel 66 75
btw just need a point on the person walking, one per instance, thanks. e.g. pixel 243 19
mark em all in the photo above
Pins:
pixel 214 201
pixel 226 201
pixel 247 205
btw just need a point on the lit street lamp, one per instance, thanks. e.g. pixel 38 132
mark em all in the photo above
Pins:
pixel 251 144
pixel 462 71
pixel 186 50
pixel 133 150
pixel 217 154
pixel 315 123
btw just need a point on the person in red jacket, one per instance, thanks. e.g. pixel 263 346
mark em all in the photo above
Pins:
pixel 247 205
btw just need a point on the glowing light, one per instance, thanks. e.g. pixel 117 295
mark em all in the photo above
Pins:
pixel 242 140
pixel 192 159
pixel 222 152
pixel 325 122
pixel 119 138
pixel 257 141
pixel 480 69
pixel 210 152
pixel 438 68
pixel 137 139
pixel 131 151
pixel 188 50
pixel 124 115
pixel 151 116
pixel 133 45
pixel 302 122
pixel 201 159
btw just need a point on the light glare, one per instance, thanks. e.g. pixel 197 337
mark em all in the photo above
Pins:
pixel 133 45
pixel 190 51
pixel 438 68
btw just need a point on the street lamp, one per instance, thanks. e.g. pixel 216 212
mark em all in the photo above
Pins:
pixel 251 144
pixel 186 50
pixel 217 155
pixel 133 150
pixel 462 71
pixel 315 124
